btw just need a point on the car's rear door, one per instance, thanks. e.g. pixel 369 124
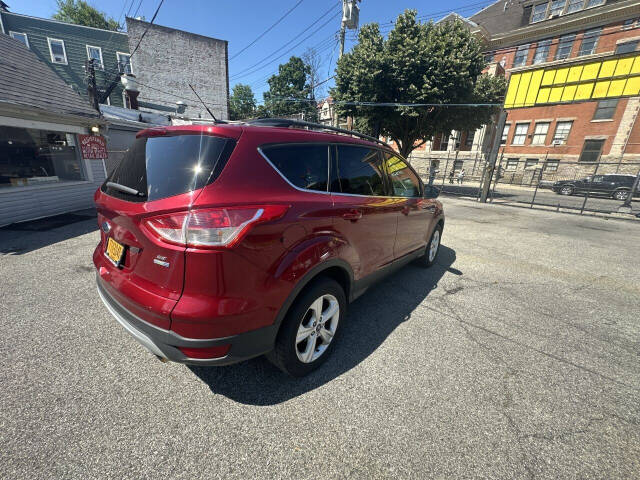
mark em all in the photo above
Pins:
pixel 416 214
pixel 363 213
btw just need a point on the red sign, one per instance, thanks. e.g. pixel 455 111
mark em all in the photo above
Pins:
pixel 93 146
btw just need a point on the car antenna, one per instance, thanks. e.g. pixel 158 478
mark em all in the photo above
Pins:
pixel 205 106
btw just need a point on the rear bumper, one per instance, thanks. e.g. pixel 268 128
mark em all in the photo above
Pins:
pixel 164 343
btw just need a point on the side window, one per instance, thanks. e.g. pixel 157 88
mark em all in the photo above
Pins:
pixel 404 182
pixel 304 166
pixel 357 172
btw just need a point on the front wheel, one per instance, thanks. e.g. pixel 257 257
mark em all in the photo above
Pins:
pixel 310 329
pixel 621 195
pixel 431 253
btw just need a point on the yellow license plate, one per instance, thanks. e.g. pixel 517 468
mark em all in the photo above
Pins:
pixel 115 250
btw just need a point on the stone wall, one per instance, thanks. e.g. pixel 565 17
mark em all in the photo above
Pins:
pixel 168 60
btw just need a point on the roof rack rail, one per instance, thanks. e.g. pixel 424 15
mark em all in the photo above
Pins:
pixel 288 123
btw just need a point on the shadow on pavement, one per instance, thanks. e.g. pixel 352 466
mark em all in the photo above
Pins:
pixel 20 238
pixel 258 382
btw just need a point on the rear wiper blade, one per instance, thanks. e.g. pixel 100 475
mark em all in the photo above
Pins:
pixel 125 189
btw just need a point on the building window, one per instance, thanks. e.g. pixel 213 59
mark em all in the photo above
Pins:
pixel 591 150
pixel 37 157
pixel 512 164
pixel 606 109
pixel 488 57
pixel 557 6
pixel 542 51
pixel 95 54
pixel 124 62
pixel 540 133
pixel 530 163
pixel 562 132
pixel 468 141
pixel 57 51
pixel 539 12
pixel 565 45
pixel 551 165
pixel 590 41
pixel 520 134
pixel 21 37
pixel 521 56
pixel 594 3
pixel 505 134
pixel 627 47
pixel 574 5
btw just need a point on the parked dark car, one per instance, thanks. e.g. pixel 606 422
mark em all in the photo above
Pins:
pixel 222 243
pixel 616 186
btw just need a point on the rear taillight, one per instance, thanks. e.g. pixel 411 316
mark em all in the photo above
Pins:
pixel 212 227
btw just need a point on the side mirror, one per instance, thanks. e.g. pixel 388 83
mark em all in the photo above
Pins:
pixel 431 192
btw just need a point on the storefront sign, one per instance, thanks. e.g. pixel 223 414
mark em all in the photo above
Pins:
pixel 93 146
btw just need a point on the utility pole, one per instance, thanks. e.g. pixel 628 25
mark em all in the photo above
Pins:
pixel 350 20
pixel 493 156
pixel 92 88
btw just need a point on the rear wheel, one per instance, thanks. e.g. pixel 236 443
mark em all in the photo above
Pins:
pixel 431 253
pixel 621 195
pixel 566 190
pixel 309 331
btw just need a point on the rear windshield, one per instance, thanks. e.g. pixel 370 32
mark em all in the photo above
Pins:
pixel 160 167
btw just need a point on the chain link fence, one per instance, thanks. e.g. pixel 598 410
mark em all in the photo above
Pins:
pixel 601 186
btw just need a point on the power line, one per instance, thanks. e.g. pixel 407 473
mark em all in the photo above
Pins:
pixel 264 80
pixel 268 29
pixel 292 48
pixel 241 72
pixel 135 14
pixel 110 88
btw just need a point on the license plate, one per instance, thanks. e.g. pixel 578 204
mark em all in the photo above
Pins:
pixel 115 250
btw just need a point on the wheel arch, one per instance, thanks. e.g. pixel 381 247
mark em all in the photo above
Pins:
pixel 335 268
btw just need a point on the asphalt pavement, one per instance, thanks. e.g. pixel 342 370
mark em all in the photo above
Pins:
pixel 516 356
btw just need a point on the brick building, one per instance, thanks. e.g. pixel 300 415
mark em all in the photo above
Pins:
pixel 573 68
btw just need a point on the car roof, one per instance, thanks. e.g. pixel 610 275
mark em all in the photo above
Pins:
pixel 235 130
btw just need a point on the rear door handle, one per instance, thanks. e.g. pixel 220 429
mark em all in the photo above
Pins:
pixel 353 215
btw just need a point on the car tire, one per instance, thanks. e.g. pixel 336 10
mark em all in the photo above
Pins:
pixel 566 190
pixel 433 247
pixel 296 354
pixel 620 195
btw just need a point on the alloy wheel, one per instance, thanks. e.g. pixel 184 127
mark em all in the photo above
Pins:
pixel 317 328
pixel 566 190
pixel 433 247
pixel 620 195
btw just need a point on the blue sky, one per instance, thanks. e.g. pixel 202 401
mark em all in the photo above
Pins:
pixel 241 21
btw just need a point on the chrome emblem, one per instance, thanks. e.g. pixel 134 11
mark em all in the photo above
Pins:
pixel 162 261
pixel 106 227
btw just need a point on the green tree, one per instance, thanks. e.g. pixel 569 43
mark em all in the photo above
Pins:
pixel 242 103
pixel 418 63
pixel 81 13
pixel 289 92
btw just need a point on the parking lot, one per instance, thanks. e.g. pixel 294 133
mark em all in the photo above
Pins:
pixel 515 357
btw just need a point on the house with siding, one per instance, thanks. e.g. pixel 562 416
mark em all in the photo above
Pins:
pixel 66 47
pixel 42 172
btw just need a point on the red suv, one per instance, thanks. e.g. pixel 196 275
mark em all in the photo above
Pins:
pixel 222 243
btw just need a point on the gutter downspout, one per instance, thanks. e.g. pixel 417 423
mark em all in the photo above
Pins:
pixel 2 23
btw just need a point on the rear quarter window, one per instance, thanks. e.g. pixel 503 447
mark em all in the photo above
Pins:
pixel 304 166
